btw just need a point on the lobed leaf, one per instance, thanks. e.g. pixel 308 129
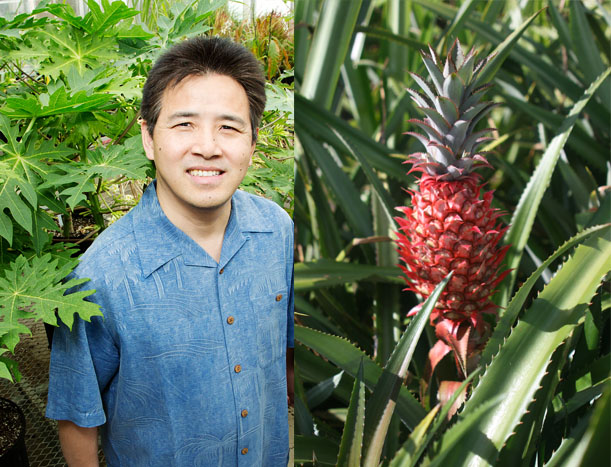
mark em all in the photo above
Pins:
pixel 29 289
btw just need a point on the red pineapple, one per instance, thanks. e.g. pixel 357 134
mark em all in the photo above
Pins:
pixel 451 225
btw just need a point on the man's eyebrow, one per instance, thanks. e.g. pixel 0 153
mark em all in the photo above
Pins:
pixel 189 114
pixel 232 118
pixel 182 114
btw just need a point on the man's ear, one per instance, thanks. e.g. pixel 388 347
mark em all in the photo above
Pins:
pixel 147 141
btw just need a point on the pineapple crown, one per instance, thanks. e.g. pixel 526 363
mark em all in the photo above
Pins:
pixel 452 110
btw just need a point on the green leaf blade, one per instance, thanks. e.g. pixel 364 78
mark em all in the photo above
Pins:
pixel 352 437
pixel 347 357
pixel 524 216
pixel 381 405
pixel 516 371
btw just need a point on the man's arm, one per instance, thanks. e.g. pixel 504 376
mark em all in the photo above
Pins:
pixel 290 376
pixel 79 445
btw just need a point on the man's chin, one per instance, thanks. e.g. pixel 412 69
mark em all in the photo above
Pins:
pixel 210 205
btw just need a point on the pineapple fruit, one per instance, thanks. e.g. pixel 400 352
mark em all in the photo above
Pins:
pixel 451 225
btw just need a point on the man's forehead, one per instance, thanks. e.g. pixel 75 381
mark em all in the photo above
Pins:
pixel 186 84
pixel 186 80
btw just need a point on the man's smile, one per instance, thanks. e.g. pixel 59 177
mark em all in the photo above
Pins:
pixel 204 173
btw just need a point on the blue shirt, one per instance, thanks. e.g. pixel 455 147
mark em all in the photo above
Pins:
pixel 187 367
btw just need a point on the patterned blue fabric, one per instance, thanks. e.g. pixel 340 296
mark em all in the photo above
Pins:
pixel 187 367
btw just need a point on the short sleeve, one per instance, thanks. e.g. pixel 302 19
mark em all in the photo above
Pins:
pixel 83 362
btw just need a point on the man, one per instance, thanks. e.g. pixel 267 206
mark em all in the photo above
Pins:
pixel 189 364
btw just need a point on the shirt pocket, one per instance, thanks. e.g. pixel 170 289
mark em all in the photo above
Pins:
pixel 271 313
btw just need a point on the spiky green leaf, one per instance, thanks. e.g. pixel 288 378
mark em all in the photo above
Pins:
pixel 381 406
pixel 524 215
pixel 527 351
pixel 351 445
pixel 347 357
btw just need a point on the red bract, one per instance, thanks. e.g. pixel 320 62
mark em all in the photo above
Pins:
pixel 451 225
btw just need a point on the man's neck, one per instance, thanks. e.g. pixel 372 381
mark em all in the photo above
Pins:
pixel 205 226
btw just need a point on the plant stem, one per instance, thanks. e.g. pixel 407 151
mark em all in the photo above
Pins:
pixel 67 225
pixel 129 126
pixel 30 125
pixel 94 203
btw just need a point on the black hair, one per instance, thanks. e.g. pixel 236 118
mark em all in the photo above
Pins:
pixel 200 56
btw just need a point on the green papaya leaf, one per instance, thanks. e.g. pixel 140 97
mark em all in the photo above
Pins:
pixel 76 179
pixel 30 289
pixel 59 102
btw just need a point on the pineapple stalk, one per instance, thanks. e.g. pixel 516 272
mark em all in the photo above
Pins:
pixel 451 224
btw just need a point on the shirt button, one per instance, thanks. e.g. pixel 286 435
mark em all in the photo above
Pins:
pixel 244 451
pixel 237 368
pixel 244 413
pixel 230 319
pixel 278 297
pixel 222 271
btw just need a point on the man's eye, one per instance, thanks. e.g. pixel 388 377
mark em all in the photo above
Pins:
pixel 183 124
pixel 227 127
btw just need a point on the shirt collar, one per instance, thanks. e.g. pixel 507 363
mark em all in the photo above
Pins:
pixel 158 240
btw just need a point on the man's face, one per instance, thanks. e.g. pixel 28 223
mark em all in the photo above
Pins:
pixel 202 144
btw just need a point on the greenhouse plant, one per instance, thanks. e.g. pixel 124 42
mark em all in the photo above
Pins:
pixel 71 157
pixel 453 232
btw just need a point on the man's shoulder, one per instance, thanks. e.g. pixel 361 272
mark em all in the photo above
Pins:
pixel 110 250
pixel 262 208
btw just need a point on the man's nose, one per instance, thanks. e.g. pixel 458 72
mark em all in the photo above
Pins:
pixel 206 144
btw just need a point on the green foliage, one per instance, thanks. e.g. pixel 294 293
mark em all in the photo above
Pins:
pixel 544 374
pixel 268 37
pixel 32 288
pixel 71 157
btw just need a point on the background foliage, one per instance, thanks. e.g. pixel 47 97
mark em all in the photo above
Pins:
pixel 541 394
pixel 71 159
